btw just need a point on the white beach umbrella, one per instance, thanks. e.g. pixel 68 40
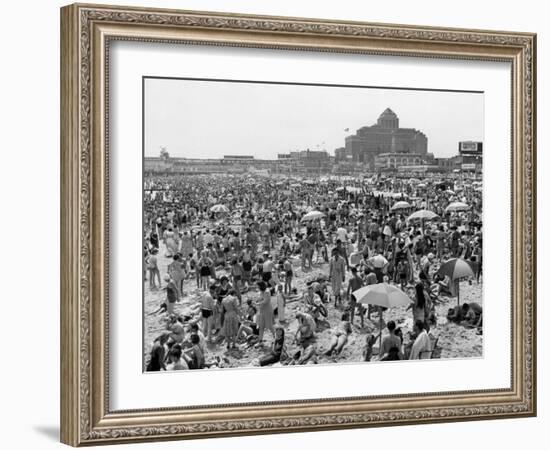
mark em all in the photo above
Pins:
pixel 423 214
pixel 313 215
pixel 382 294
pixel 400 205
pixel 219 209
pixel 457 206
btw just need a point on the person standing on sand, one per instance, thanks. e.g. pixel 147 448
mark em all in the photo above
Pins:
pixel 177 272
pixel 205 264
pixel 265 312
pixel 281 303
pixel 208 304
pixel 287 267
pixel 337 275
pixel 172 294
pixel 355 283
pixel 420 306
pixel 230 326
pixel 152 267
pixel 237 275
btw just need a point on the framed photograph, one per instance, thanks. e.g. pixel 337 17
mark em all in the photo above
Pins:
pixel 276 224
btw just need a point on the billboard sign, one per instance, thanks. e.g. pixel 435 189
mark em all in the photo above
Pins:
pixel 470 148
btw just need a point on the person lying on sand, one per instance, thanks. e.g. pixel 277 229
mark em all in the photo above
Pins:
pixel 339 336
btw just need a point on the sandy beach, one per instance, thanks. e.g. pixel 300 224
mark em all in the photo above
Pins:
pixel 454 340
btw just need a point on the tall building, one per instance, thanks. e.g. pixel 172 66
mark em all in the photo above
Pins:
pixel 384 136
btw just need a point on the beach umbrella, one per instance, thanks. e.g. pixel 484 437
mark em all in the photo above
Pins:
pixel 313 215
pixel 378 261
pixel 399 195
pixel 400 205
pixel 423 214
pixel 384 295
pixel 352 189
pixel 457 206
pixel 219 209
pixel 456 269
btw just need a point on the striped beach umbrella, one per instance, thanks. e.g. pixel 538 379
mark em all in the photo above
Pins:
pixel 456 269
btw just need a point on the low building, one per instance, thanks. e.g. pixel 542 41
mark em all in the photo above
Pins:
pixel 393 161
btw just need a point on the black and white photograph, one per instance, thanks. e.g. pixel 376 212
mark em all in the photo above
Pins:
pixel 291 224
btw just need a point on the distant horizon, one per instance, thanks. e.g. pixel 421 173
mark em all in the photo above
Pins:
pixel 207 119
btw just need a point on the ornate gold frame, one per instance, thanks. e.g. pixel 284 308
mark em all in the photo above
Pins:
pixel 86 31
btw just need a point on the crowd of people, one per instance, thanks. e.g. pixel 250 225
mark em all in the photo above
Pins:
pixel 273 261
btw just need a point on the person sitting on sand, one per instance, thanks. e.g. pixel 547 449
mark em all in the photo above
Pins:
pixel 369 344
pixel 455 314
pixel 248 329
pixel 306 355
pixel 306 326
pixel 176 329
pixel 422 344
pixel 194 329
pixel 339 336
pixel 172 294
pixel 310 296
pixel 321 289
pixel 175 361
pixel 317 310
pixel 194 355
pixel 158 354
pixel 472 314
pixel 277 350
pixel 390 341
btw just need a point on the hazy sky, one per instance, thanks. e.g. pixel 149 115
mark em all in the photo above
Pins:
pixel 206 119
